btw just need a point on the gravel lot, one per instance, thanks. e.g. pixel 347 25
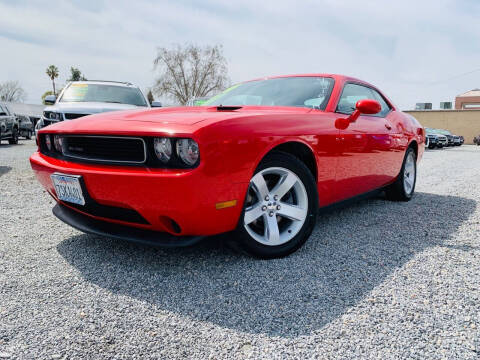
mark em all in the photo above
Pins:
pixel 376 280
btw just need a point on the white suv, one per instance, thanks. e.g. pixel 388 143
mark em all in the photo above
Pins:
pixel 81 98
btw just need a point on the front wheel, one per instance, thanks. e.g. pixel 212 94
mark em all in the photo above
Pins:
pixel 280 208
pixel 29 135
pixel 403 188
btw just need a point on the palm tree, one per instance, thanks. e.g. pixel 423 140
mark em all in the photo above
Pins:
pixel 52 72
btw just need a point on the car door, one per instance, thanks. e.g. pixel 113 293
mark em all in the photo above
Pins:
pixel 367 147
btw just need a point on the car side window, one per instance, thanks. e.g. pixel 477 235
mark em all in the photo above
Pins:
pixel 353 92
pixel 385 107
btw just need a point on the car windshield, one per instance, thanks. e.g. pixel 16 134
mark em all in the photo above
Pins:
pixel 103 93
pixel 443 132
pixel 298 91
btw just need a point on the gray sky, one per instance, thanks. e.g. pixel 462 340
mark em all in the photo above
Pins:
pixel 413 50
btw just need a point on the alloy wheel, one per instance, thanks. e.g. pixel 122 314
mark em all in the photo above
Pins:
pixel 276 206
pixel 409 173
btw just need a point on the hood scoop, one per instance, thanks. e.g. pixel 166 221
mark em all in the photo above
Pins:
pixel 228 108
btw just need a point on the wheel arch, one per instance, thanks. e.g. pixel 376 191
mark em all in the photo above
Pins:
pixel 414 145
pixel 300 150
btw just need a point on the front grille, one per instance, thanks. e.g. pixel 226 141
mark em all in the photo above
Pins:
pixel 71 116
pixel 105 149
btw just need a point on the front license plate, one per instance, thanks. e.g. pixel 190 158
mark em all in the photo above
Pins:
pixel 68 188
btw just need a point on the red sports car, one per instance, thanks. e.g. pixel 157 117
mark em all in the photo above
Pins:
pixel 257 160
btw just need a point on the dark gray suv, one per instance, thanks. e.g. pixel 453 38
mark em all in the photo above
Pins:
pixel 8 125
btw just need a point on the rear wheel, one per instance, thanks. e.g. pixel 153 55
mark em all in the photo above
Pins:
pixel 403 188
pixel 29 135
pixel 14 138
pixel 280 209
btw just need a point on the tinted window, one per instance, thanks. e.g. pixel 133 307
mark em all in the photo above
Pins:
pixel 353 92
pixel 103 93
pixel 300 91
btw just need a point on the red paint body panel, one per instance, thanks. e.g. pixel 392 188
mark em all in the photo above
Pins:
pixel 368 154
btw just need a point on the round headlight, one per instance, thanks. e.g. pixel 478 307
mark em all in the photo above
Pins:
pixel 163 149
pixel 48 141
pixel 58 142
pixel 187 150
pixel 55 116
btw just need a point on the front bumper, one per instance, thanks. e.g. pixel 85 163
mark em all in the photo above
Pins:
pixel 179 202
pixel 90 225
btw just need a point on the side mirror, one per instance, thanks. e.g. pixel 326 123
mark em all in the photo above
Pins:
pixel 50 99
pixel 156 104
pixel 366 106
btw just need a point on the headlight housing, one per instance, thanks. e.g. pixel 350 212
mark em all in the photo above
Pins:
pixel 58 143
pixel 163 149
pixel 48 142
pixel 51 115
pixel 187 151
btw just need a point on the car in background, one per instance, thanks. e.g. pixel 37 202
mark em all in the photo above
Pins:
pixel 436 139
pixel 25 126
pixel 8 125
pixel 476 140
pixel 456 140
pixel 257 160
pixel 462 140
pixel 82 98
pixel 449 135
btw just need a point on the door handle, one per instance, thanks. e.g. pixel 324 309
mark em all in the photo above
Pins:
pixel 388 126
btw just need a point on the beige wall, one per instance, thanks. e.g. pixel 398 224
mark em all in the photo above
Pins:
pixel 459 122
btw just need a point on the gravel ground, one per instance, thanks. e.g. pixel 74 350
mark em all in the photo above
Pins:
pixel 376 280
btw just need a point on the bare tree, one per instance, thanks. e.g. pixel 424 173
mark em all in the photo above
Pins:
pixel 190 72
pixel 12 91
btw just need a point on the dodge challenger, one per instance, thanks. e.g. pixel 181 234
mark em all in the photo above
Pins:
pixel 256 161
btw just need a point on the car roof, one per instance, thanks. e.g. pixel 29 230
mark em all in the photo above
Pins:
pixel 104 82
pixel 334 76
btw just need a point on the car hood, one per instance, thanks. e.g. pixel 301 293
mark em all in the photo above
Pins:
pixel 165 120
pixel 89 107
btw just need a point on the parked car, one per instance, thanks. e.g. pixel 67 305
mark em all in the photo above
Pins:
pixel 462 140
pixel 427 142
pixel 449 135
pixel 476 140
pixel 436 139
pixel 25 126
pixel 456 140
pixel 258 160
pixel 81 98
pixel 8 125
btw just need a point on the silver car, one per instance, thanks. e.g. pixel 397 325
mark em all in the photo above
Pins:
pixel 81 98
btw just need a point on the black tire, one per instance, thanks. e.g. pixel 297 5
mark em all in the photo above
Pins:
pixel 14 139
pixel 29 135
pixel 431 146
pixel 259 250
pixel 397 191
